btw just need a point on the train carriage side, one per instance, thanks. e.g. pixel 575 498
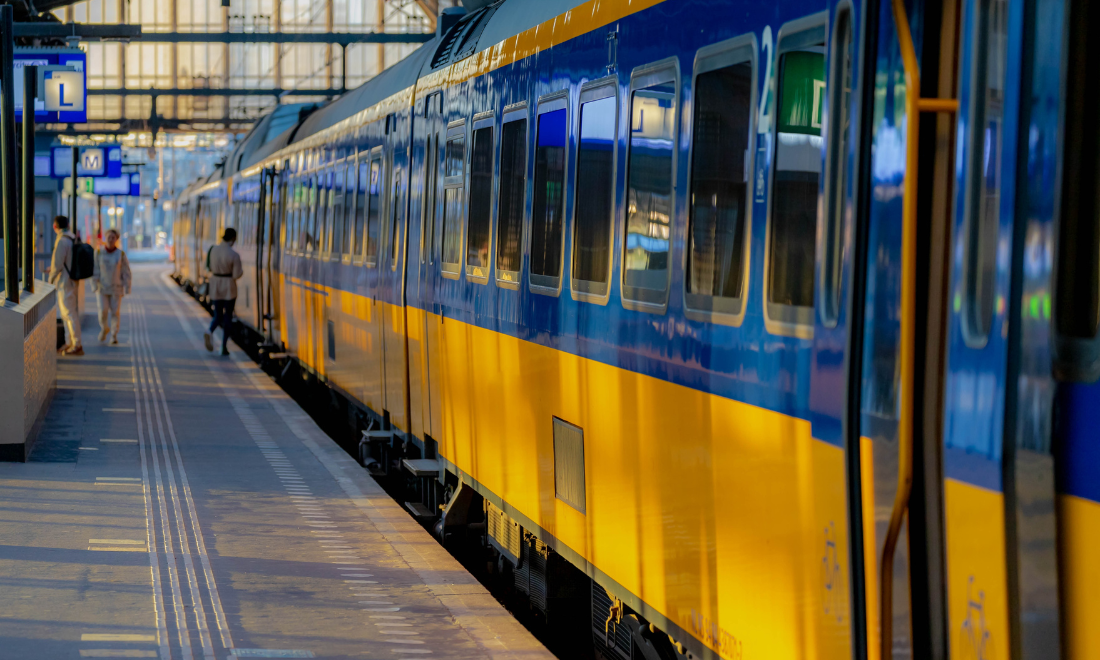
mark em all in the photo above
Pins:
pixel 631 389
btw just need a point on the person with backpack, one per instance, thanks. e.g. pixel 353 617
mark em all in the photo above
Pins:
pixel 111 281
pixel 224 265
pixel 72 262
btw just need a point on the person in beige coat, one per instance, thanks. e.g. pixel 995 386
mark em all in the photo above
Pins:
pixel 67 288
pixel 111 280
pixel 224 265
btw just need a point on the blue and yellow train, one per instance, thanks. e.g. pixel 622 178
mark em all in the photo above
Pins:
pixel 776 320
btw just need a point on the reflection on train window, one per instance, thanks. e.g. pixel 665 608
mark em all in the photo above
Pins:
pixel 336 198
pixel 595 187
pixel 373 211
pixel 549 195
pixel 796 177
pixel 513 188
pixel 836 170
pixel 324 212
pixel 357 236
pixel 427 231
pixel 649 191
pixel 349 208
pixel 983 175
pixel 719 188
pixel 1077 293
pixel 397 209
pixel 452 201
pixel 311 215
pixel 478 222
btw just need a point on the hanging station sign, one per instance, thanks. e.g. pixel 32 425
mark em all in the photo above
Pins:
pixel 62 84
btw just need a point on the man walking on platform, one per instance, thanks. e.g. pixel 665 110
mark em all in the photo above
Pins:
pixel 67 294
pixel 111 281
pixel 224 265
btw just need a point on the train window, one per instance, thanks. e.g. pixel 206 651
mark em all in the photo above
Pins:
pixel 357 236
pixel 374 210
pixel 349 209
pixel 549 195
pixel 796 174
pixel 840 98
pixel 397 209
pixel 479 219
pixel 512 194
pixel 453 170
pixel 1077 271
pixel 336 201
pixel 311 214
pixel 324 211
pixel 595 184
pixel 427 213
pixel 983 171
pixel 721 164
pixel 649 179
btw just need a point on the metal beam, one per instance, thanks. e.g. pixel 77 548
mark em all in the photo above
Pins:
pixel 241 91
pixel 336 38
pixel 83 31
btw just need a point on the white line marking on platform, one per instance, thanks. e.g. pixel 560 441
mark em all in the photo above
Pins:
pixel 118 478
pixel 89 448
pixel 116 637
pixel 116 653
pixel 117 541
pixel 119 440
pixel 119 410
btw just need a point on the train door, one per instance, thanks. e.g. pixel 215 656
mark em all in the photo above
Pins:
pixel 392 273
pixel 428 320
pixel 892 300
pixel 423 321
pixel 1075 318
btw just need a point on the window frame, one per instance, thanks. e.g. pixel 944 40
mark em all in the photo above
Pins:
pixel 453 271
pixel 836 175
pixel 510 279
pixel 481 121
pixel 375 154
pixel 972 188
pixel 350 166
pixel 731 52
pixel 643 77
pixel 584 290
pixel 338 167
pixel 544 284
pixel 779 319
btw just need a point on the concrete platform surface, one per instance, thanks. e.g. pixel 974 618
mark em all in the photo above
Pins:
pixel 179 505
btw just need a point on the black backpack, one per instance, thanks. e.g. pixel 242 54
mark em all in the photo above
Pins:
pixel 83 261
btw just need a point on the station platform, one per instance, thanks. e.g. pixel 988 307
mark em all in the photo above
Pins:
pixel 179 505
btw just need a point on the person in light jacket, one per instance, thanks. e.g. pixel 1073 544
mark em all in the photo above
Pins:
pixel 224 265
pixel 67 294
pixel 111 280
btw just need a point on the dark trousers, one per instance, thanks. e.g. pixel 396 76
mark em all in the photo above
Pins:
pixel 223 316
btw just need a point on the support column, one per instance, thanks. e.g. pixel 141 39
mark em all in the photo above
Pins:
pixel 30 90
pixel 380 26
pixel 173 17
pixel 277 26
pixel 7 161
pixel 73 193
pixel 328 47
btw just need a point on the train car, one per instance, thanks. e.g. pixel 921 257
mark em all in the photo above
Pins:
pixel 770 328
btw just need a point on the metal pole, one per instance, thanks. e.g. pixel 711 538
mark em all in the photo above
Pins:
pixel 7 155
pixel 30 84
pixel 73 196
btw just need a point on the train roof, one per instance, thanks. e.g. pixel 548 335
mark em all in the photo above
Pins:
pixel 487 25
